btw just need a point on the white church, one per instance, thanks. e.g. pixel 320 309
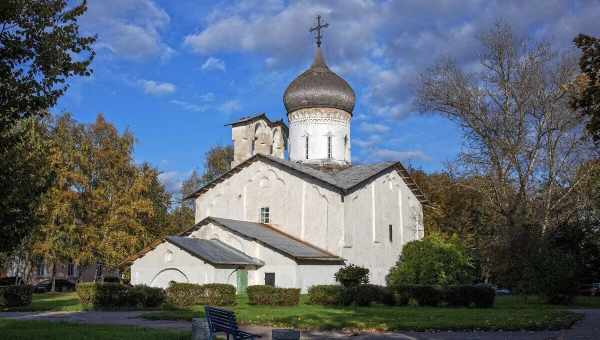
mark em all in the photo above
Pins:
pixel 292 222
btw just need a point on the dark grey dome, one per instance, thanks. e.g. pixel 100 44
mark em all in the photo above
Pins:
pixel 319 87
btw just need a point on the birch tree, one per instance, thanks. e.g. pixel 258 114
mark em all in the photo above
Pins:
pixel 522 139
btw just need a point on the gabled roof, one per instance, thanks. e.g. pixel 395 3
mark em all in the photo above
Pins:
pixel 214 251
pixel 344 181
pixel 274 239
pixel 258 116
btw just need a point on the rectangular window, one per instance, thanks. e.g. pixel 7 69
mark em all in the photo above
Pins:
pixel 265 216
pixel 329 148
pixel 71 269
pixel 391 233
pixel 306 146
pixel 270 279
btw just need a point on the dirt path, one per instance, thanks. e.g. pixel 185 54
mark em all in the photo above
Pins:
pixel 587 329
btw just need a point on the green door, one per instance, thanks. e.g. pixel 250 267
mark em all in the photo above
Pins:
pixel 242 281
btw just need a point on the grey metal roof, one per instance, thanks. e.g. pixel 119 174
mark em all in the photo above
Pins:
pixel 213 251
pixel 344 180
pixel 274 239
pixel 319 87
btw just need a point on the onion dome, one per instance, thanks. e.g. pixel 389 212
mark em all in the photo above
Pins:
pixel 319 87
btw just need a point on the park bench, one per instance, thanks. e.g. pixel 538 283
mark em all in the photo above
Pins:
pixel 223 321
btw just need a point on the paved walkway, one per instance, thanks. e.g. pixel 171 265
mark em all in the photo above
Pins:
pixel 587 329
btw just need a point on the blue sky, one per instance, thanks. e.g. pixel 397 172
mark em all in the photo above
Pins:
pixel 174 72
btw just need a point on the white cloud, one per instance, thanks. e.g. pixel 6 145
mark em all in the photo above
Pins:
pixel 230 106
pixel 128 28
pixel 373 127
pixel 213 63
pixel 157 88
pixel 207 97
pixel 382 52
pixel 189 106
pixel 172 180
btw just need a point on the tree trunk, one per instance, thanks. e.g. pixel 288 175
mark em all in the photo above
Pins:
pixel 53 277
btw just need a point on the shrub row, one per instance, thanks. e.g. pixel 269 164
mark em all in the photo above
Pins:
pixel 481 296
pixel 115 295
pixel 187 294
pixel 361 295
pixel 267 295
pixel 424 295
pixel 14 296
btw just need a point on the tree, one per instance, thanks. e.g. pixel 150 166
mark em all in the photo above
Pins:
pixel 24 177
pixel 587 99
pixel 523 142
pixel 432 261
pixel 217 161
pixel 40 49
pixel 101 206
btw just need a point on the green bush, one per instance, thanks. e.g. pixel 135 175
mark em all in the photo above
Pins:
pixel 557 279
pixel 267 295
pixel 102 295
pixel 482 296
pixel 260 294
pixel 287 296
pixel 219 294
pixel 15 295
pixel 327 295
pixel 457 296
pixel 142 296
pixel 188 294
pixel 352 275
pixel 432 261
pixel 423 295
pixel 185 294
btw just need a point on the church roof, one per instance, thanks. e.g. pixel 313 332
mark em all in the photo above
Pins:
pixel 214 251
pixel 274 239
pixel 319 87
pixel 345 181
pixel 258 116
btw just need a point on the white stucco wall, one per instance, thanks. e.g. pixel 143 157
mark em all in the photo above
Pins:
pixel 369 211
pixel 299 207
pixel 167 263
pixel 355 228
pixel 317 124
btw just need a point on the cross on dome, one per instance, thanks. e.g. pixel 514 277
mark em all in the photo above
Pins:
pixel 318 28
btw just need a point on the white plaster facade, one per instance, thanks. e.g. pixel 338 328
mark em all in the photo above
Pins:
pixel 258 135
pixel 320 136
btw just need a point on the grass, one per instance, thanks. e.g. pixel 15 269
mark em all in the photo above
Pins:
pixel 48 330
pixel 64 302
pixel 509 314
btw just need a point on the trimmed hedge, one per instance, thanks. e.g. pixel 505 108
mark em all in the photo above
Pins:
pixel 327 295
pixel 219 294
pixel 15 295
pixel 115 295
pixel 185 294
pixel 362 295
pixel 481 296
pixel 267 295
pixel 188 294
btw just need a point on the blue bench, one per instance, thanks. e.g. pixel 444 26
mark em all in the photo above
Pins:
pixel 223 321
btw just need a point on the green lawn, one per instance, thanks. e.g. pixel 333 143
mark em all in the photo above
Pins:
pixel 509 314
pixel 47 330
pixel 51 302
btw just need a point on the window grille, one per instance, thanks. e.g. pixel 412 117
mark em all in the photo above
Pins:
pixel 265 215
